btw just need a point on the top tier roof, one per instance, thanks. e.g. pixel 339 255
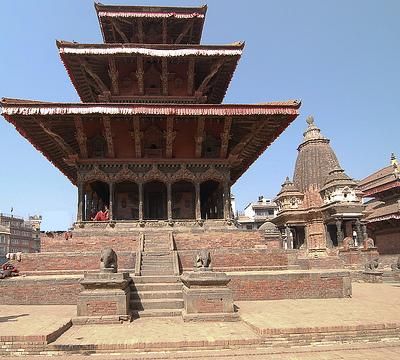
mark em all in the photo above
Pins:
pixel 151 24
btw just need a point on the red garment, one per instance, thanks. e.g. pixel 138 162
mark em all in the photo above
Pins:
pixel 101 216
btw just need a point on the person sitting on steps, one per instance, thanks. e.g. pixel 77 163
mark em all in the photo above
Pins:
pixel 102 215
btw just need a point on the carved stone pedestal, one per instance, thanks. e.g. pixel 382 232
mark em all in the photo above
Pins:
pixel 371 276
pixel 207 297
pixel 105 298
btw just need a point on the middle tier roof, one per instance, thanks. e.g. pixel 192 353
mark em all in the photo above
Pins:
pixel 151 73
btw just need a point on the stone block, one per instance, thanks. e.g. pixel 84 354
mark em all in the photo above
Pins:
pixel 372 276
pixel 104 294
pixel 207 297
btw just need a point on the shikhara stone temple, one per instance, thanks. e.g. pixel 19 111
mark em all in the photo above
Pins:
pixel 154 153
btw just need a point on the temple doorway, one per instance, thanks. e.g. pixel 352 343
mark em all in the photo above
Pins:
pixel 211 200
pixel 97 195
pixel 126 201
pixel 155 201
pixel 183 200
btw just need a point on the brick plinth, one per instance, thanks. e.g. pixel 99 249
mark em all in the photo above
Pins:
pixel 277 285
pixel 356 258
pixel 206 296
pixel 104 294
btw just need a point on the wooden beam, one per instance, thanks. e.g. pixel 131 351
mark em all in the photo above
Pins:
pixel 190 78
pixel 65 147
pixel 164 30
pixel 170 136
pixel 100 84
pixel 108 136
pixel 164 76
pixel 255 129
pixel 199 136
pixel 225 136
pixel 140 31
pixel 119 31
pixel 81 137
pixel 188 26
pixel 140 74
pixel 137 136
pixel 214 69
pixel 113 73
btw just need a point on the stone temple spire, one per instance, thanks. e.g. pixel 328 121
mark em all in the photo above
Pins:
pixel 315 159
pixel 312 132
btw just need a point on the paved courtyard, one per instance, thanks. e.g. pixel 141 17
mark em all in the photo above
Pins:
pixel 373 306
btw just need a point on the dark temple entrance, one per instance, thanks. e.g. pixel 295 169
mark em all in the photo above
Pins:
pixel 155 200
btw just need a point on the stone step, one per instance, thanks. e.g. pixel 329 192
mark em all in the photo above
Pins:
pixel 146 304
pixel 146 266
pixel 156 272
pixel 155 279
pixel 163 294
pixel 156 253
pixel 157 259
pixel 158 287
pixel 156 313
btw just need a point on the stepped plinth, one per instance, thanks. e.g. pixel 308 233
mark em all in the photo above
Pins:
pixel 207 297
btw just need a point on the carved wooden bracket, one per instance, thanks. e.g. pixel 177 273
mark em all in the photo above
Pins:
pixel 140 75
pixel 188 26
pixel 225 136
pixel 214 69
pixel 81 137
pixel 169 136
pixel 113 73
pixel 108 136
pixel 199 136
pixel 119 31
pixel 137 136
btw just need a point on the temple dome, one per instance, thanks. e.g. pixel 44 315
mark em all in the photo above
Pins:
pixel 315 159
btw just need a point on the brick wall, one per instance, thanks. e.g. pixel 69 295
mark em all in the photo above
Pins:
pixel 52 262
pixel 239 259
pixel 388 242
pixel 58 243
pixel 40 291
pixel 305 285
pixel 101 307
pixel 357 258
pixel 218 239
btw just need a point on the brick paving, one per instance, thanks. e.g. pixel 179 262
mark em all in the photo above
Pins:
pixel 371 305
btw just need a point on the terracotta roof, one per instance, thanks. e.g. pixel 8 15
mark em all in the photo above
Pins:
pixel 218 60
pixel 373 183
pixel 315 159
pixel 380 211
pixel 50 127
pixel 126 17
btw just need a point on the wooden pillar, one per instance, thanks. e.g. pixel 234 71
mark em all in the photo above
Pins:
pixel 227 205
pixel 110 205
pixel 81 201
pixel 197 201
pixel 169 201
pixel 140 185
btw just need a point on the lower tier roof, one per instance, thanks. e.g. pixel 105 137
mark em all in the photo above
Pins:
pixel 229 133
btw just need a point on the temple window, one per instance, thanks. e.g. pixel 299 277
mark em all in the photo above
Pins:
pixel 153 142
pixel 211 200
pixel 211 147
pixel 98 147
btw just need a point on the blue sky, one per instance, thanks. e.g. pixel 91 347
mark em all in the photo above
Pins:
pixel 340 57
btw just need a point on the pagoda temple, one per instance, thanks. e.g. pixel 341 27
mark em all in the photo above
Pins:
pixel 152 149
pixel 151 140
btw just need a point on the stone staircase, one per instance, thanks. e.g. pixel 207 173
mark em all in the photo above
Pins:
pixel 157 290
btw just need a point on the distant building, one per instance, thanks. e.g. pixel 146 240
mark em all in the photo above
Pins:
pixel 257 213
pixel 19 235
pixel 383 210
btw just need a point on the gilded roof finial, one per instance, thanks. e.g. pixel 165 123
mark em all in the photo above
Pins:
pixel 393 159
pixel 310 120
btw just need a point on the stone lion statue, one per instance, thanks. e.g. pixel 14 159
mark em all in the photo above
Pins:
pixel 396 265
pixel 108 261
pixel 203 260
pixel 372 265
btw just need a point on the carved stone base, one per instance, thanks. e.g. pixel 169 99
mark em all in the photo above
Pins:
pixel 104 294
pixel 372 276
pixel 207 297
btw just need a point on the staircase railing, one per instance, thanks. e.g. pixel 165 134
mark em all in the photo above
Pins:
pixel 139 254
pixel 174 252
